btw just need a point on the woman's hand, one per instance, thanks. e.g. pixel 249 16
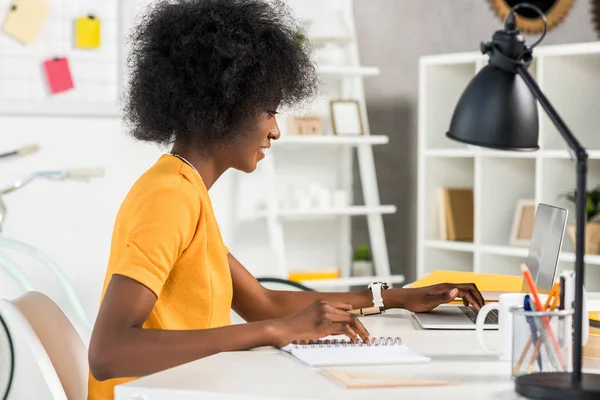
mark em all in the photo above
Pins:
pixel 318 320
pixel 428 297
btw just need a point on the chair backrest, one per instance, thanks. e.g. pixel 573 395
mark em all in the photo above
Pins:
pixel 63 345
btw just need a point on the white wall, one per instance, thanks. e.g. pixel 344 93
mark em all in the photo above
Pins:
pixel 72 221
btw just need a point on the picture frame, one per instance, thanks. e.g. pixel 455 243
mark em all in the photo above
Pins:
pixel 523 220
pixel 346 117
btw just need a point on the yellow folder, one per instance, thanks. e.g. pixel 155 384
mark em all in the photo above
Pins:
pixel 490 285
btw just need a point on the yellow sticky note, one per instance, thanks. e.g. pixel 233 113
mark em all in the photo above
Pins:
pixel 87 32
pixel 25 19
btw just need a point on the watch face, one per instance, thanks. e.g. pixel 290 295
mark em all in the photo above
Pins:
pixel 384 285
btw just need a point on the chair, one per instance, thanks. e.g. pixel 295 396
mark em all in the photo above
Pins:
pixel 60 354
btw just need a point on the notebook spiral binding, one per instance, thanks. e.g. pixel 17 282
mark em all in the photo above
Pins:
pixel 380 341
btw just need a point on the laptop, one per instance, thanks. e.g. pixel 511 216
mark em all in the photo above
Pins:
pixel 542 260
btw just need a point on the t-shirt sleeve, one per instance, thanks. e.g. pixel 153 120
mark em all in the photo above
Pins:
pixel 161 225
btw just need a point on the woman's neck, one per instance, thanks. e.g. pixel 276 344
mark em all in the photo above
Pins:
pixel 209 168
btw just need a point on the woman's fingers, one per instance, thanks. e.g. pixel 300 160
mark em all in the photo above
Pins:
pixel 342 317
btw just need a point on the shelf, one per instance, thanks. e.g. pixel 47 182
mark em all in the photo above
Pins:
pixel 353 210
pixel 508 154
pixel 566 154
pixel 331 140
pixel 592 259
pixel 329 212
pixel 449 245
pixel 512 251
pixel 351 70
pixel 351 281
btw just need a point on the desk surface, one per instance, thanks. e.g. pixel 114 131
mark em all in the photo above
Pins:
pixel 269 373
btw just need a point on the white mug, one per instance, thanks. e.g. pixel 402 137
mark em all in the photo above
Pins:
pixel 505 301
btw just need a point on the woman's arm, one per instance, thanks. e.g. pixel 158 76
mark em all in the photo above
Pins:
pixel 120 347
pixel 253 302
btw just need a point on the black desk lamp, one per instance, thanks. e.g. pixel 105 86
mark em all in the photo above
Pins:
pixel 498 110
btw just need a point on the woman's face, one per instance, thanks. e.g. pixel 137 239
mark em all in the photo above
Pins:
pixel 252 145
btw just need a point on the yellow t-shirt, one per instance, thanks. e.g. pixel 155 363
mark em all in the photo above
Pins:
pixel 167 238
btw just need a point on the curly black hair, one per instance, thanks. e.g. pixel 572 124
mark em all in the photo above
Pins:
pixel 200 70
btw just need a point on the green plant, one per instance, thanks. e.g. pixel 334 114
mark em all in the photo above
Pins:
pixel 592 207
pixel 300 38
pixel 362 253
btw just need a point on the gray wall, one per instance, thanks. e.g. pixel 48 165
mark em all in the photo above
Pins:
pixel 392 35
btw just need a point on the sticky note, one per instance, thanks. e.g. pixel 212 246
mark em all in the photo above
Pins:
pixel 87 32
pixel 58 75
pixel 25 19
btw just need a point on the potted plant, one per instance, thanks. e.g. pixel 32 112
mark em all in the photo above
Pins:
pixel 362 262
pixel 592 213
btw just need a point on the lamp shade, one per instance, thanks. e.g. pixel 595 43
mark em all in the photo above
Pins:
pixel 497 110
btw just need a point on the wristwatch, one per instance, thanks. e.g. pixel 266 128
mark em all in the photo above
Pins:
pixel 376 288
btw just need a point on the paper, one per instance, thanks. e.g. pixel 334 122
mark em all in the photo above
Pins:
pixel 87 32
pixel 58 75
pixel 25 19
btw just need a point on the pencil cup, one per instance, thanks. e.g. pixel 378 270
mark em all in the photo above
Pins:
pixel 542 341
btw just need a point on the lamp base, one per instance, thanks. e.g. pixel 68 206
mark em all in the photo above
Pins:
pixel 557 385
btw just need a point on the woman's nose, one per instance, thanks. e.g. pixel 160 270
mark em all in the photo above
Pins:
pixel 275 132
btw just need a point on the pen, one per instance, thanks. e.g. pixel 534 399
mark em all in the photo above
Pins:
pixel 532 340
pixel 533 328
pixel 544 338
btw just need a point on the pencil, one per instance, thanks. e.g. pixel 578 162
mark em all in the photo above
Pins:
pixel 536 353
pixel 522 358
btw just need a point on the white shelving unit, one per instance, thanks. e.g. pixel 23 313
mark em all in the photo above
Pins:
pixel 569 75
pixel 291 238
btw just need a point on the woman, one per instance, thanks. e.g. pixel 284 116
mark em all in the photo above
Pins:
pixel 207 78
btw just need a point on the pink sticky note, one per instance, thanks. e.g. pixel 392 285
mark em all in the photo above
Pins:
pixel 58 75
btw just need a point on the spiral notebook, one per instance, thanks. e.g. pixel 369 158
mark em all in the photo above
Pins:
pixel 326 353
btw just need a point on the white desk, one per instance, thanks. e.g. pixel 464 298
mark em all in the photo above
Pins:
pixel 269 373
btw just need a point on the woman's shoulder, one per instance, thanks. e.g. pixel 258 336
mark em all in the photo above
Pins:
pixel 164 181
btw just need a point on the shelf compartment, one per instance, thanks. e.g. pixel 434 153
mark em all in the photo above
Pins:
pixel 501 184
pixel 571 84
pixel 559 177
pixel 500 264
pixel 442 172
pixel 441 88
pixel 450 260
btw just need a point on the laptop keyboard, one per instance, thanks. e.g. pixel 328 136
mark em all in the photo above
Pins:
pixel 491 318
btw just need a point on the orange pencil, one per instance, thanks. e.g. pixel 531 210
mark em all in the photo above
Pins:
pixel 538 305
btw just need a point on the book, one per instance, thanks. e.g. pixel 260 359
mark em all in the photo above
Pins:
pixel 456 214
pixel 327 353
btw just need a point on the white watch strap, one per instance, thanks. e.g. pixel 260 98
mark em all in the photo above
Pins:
pixel 377 299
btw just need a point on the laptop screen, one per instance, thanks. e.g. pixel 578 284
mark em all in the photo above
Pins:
pixel 545 245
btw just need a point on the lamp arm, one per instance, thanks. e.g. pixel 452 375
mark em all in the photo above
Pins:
pixel 580 217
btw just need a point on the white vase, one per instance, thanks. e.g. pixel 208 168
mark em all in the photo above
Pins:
pixel 362 268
